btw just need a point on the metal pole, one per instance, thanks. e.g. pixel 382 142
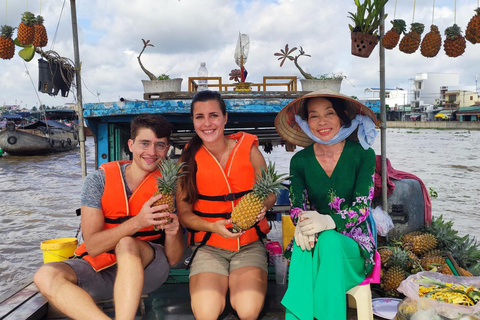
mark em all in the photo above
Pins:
pixel 383 114
pixel 79 90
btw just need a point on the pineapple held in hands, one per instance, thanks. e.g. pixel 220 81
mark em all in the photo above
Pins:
pixel 167 185
pixel 244 215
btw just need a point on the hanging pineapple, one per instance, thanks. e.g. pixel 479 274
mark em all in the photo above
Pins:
pixel 390 39
pixel 472 33
pixel 411 41
pixel 26 29
pixel 40 37
pixel 431 43
pixel 454 44
pixel 7 46
pixel 244 214
pixel 167 185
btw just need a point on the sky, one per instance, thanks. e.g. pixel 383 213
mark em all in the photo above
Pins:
pixel 187 32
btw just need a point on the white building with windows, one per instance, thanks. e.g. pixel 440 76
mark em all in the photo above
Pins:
pixel 427 87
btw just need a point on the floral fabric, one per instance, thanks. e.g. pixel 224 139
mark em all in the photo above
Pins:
pixel 346 195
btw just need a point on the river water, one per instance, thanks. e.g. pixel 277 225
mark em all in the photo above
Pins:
pixel 39 195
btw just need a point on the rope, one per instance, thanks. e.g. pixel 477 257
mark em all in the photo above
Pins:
pixel 395 10
pixel 6 1
pixel 455 13
pixel 414 3
pixel 58 24
pixel 433 11
pixel 34 88
pixel 40 11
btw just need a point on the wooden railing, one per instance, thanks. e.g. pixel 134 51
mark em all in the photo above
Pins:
pixel 290 82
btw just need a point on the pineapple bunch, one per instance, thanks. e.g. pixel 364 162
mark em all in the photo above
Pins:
pixel 40 38
pixel 170 172
pixel 431 43
pixel 411 41
pixel 472 33
pixel 244 214
pixel 454 44
pixel 26 29
pixel 391 38
pixel 7 46
pixel 426 250
pixel 395 269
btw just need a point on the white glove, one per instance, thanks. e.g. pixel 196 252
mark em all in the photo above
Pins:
pixel 314 222
pixel 303 241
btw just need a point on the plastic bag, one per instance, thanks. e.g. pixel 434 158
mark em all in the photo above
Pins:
pixel 382 220
pixel 446 310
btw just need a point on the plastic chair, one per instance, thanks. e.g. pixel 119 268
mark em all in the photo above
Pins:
pixel 360 298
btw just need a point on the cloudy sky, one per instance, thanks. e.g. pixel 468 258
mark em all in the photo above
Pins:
pixel 187 32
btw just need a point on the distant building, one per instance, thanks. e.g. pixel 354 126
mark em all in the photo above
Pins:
pixel 395 101
pixel 427 87
pixel 454 99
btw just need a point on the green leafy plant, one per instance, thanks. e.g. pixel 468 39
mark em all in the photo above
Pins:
pixel 367 18
pixel 163 76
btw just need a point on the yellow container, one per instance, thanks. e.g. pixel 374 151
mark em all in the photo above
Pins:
pixel 58 249
pixel 288 230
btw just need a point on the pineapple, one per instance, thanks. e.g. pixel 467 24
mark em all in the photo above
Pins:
pixel 390 39
pixel 244 214
pixel 7 46
pixel 26 29
pixel 406 238
pixel 421 243
pixel 385 254
pixel 167 184
pixel 431 43
pixel 432 262
pixel 411 41
pixel 444 232
pixel 40 37
pixel 392 279
pixel 472 33
pixel 454 44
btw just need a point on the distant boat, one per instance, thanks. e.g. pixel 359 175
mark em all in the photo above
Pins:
pixel 40 137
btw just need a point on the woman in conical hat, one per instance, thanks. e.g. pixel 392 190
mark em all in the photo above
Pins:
pixel 333 248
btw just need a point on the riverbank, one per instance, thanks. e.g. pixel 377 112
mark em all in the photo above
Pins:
pixel 471 125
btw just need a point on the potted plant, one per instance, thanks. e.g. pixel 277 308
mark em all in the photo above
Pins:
pixel 162 83
pixel 365 24
pixel 332 81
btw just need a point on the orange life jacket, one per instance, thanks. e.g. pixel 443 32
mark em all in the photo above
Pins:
pixel 219 190
pixel 117 208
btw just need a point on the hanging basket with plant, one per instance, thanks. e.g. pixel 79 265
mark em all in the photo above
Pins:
pixel 366 21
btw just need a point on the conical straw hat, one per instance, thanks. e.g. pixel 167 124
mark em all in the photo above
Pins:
pixel 289 130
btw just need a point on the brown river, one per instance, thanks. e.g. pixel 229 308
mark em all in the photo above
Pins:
pixel 39 195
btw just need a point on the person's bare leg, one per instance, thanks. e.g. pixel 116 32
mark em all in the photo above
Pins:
pixel 133 256
pixel 58 283
pixel 208 292
pixel 248 287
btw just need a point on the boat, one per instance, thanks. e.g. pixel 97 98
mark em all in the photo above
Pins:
pixel 38 138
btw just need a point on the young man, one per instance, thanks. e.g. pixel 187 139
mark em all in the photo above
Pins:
pixel 122 254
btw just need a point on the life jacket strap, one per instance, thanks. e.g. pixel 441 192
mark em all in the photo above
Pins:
pixel 224 197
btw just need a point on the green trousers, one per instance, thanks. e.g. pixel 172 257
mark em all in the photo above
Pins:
pixel 318 282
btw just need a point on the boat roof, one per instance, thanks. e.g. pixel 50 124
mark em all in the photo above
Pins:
pixel 46 123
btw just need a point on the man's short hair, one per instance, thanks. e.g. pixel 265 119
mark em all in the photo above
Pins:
pixel 154 122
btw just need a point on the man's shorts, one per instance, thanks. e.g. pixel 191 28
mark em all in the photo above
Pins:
pixel 99 285
pixel 216 260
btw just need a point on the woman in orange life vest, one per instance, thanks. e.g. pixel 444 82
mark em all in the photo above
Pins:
pixel 220 170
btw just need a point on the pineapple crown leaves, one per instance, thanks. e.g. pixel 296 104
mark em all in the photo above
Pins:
pixel 466 251
pixel 170 171
pixel 39 20
pixel 399 258
pixel 28 18
pixel 453 32
pixel 269 182
pixel 417 26
pixel 443 231
pixel 399 25
pixel 7 31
